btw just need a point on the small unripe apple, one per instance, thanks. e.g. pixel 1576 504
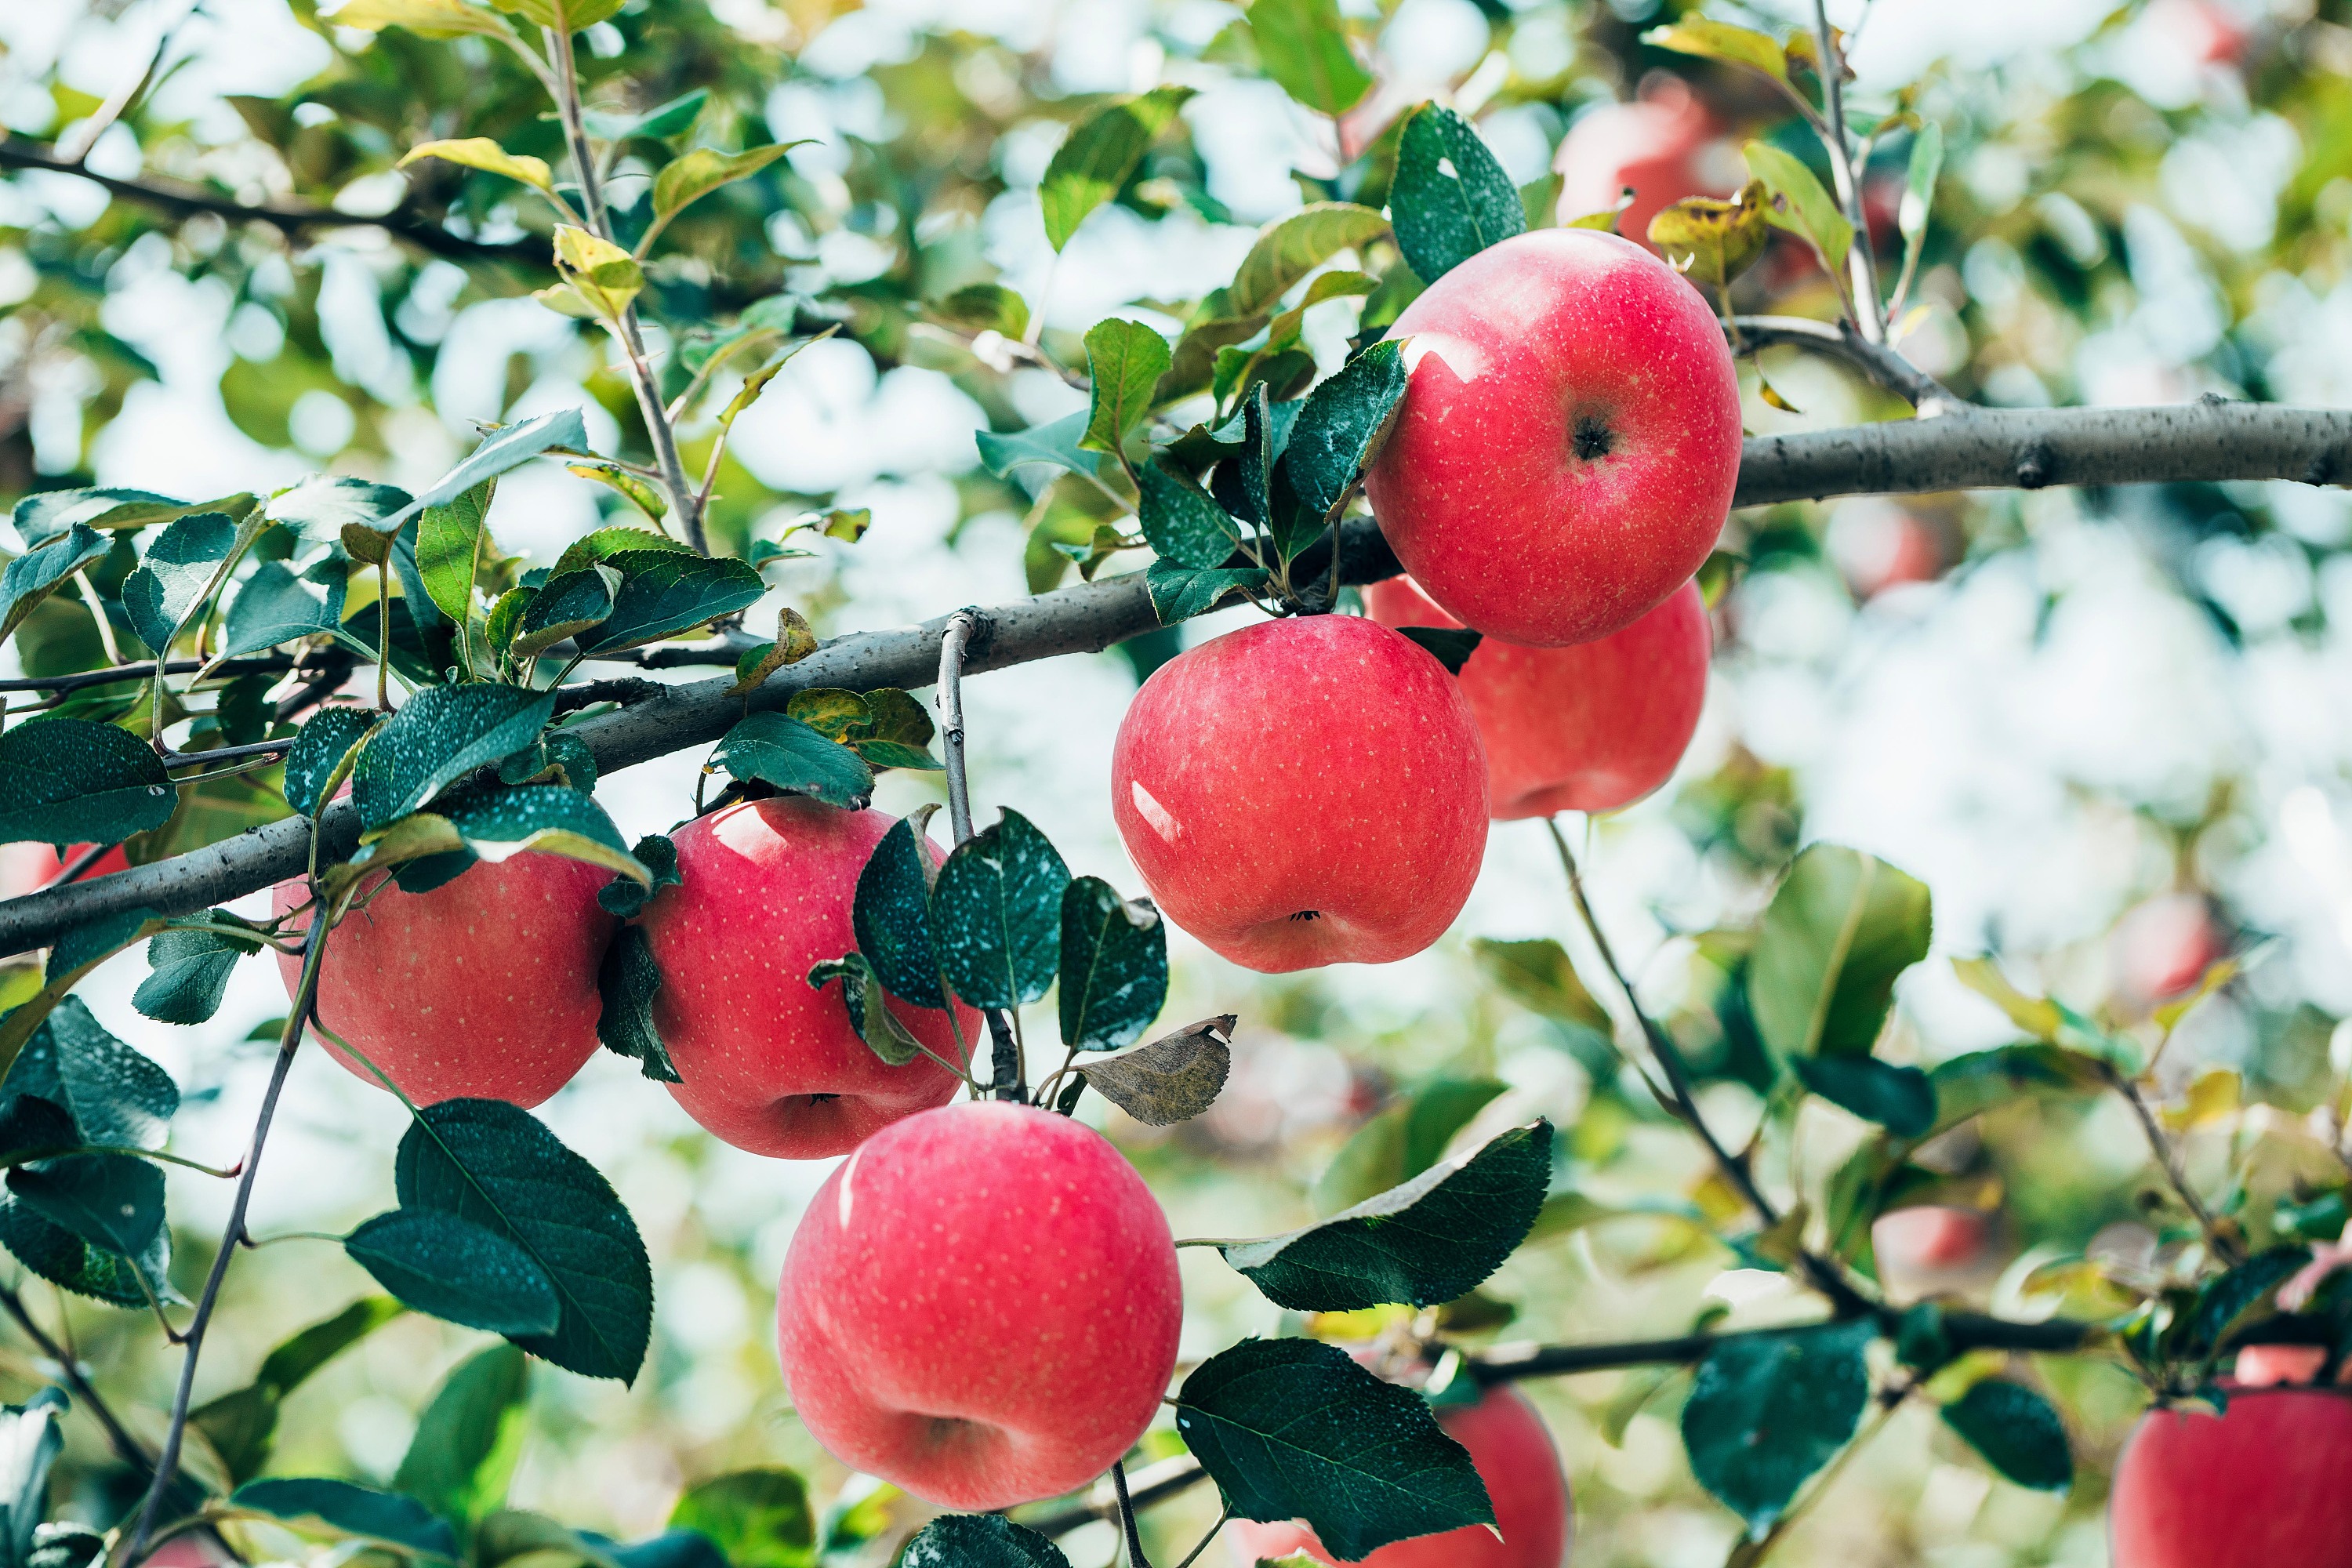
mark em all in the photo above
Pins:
pixel 484 988
pixel 1665 145
pixel 1569 441
pixel 2261 1486
pixel 981 1306
pixel 1515 1458
pixel 766 1061
pixel 1589 728
pixel 1303 791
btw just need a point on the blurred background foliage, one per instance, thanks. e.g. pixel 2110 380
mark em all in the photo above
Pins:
pixel 2112 731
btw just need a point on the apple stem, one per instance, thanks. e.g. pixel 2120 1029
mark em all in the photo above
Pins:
pixel 1135 1557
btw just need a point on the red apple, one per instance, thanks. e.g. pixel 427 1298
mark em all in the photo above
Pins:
pixel 981 1305
pixel 2259 1487
pixel 2163 946
pixel 1664 144
pixel 483 988
pixel 1930 1247
pixel 29 867
pixel 1589 728
pixel 766 1061
pixel 1513 1452
pixel 1303 791
pixel 1569 437
pixel 2269 1366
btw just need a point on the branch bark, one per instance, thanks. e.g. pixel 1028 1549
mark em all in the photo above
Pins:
pixel 179 199
pixel 1876 362
pixel 1985 450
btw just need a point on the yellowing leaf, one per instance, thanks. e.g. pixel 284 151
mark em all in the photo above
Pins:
pixel 641 494
pixel 601 274
pixel 698 173
pixel 563 15
pixel 1799 205
pixel 1721 41
pixel 426 18
pixel 1714 242
pixel 2169 1016
pixel 757 382
pixel 2213 1095
pixel 482 153
pixel 2037 1015
pixel 1605 220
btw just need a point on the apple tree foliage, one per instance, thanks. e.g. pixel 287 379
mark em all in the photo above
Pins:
pixel 616 163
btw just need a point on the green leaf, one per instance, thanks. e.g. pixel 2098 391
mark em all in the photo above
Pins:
pixel 1900 1098
pixel 778 749
pixel 1173 1078
pixel 442 734
pixel 242 1424
pixel 45 514
pixel 112 1094
pixel 1339 432
pixel 1800 205
pixel 1291 246
pixel 322 507
pixel 891 915
pixel 470 1436
pixel 627 981
pixel 1296 1429
pixel 452 1268
pixel 1126 360
pixel 626 898
pixel 2226 1301
pixel 43 570
pixel 760 1518
pixel 1443 218
pixel 874 1022
pixel 482 153
pixel 114 1202
pixel 488 1162
pixel 1712 242
pixel 2017 1431
pixel 278 607
pixel 978 1541
pixel 696 174
pixel 1180 593
pixel 608 543
pixel 1926 167
pixel 670 119
pixel 898 731
pixel 665 592
pixel 1114 966
pixel 321 757
pixel 1767 1410
pixel 1436 1238
pixel 566 607
pixel 1721 41
pixel 1184 522
pixel 989 307
pixel 66 1260
pixel 1100 155
pixel 450 549
pixel 1304 46
pixel 1058 443
pixel 384 1518
pixel 70 781
pixel 1537 974
pixel 1839 931
pixel 189 970
pixel 996 914
pixel 505 448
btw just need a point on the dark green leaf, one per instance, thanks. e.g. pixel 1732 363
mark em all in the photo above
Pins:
pixel 2017 1431
pixel 665 592
pixel 608 543
pixel 626 898
pixel 1436 1238
pixel 567 605
pixel 348 1509
pixel 1180 593
pixel 778 749
pixel 861 994
pixel 1173 1078
pixel 1840 928
pixel 454 1269
pixel 1100 155
pixel 996 914
pixel 759 1519
pixel 892 921
pixel 1125 360
pixel 41 571
pixel 1184 522
pixel 1292 246
pixel 245 711
pixel 1114 966
pixel 980 1540
pixel 276 607
pixel 1537 974
pixel 114 1095
pixel 1056 444
pixel 1900 1098
pixel 1340 431
pixel 66 1260
pixel 45 514
pixel 114 1202
pixel 1296 1429
pixel 322 506
pixel 549 818
pixel 1767 1410
pixel 190 970
pixel 70 781
pixel 627 981
pixel 241 1425
pixel 181 565
pixel 1451 199
pixel 2223 1302
pixel 1304 47
pixel 317 761
pixel 898 733
pixel 488 1162
pixel 558 757
pixel 443 733
pixel 1451 647
pixel 469 1436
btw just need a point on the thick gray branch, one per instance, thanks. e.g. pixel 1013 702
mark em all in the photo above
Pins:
pixel 1984 449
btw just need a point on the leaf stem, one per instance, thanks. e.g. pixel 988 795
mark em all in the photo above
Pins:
pixel 1135 1557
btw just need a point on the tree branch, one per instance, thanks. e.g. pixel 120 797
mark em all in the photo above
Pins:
pixel 1988 448
pixel 1006 1074
pixel 1876 362
pixel 180 199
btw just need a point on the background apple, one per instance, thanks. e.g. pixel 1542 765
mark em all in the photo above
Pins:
pixel 1932 1249
pixel 2259 1487
pixel 28 867
pixel 1665 144
pixel 483 988
pixel 1569 441
pixel 1589 728
pixel 981 1306
pixel 767 1061
pixel 2162 946
pixel 1303 791
pixel 1518 1460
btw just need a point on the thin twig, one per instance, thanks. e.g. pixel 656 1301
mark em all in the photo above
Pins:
pixel 1876 362
pixel 2168 1158
pixel 143 670
pixel 79 867
pixel 126 1446
pixel 1005 1076
pixel 1863 264
pixel 1135 1557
